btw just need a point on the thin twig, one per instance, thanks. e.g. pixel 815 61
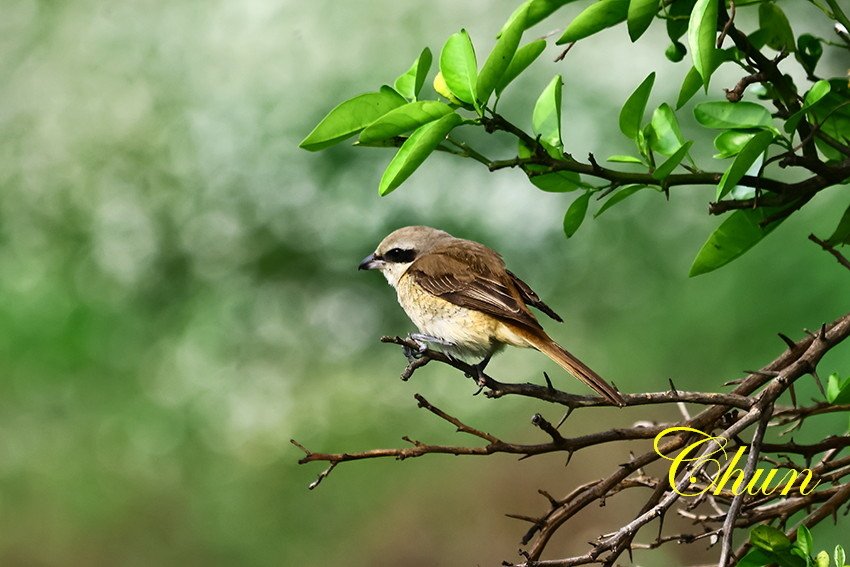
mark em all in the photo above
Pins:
pixel 831 249
pixel 738 500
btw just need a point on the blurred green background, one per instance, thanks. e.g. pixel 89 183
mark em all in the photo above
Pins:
pixel 179 294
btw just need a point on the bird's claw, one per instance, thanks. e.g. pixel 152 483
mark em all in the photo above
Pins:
pixel 479 377
pixel 414 353
pixel 421 340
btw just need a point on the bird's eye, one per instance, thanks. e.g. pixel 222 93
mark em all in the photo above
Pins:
pixel 399 255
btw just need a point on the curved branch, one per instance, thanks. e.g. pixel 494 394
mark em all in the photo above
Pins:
pixel 752 401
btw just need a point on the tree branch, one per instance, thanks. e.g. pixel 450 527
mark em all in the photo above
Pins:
pixel 752 401
pixel 831 249
pixel 782 193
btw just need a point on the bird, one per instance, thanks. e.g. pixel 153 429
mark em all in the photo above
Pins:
pixel 461 296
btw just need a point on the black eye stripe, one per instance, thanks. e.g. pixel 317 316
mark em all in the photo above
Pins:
pixel 399 255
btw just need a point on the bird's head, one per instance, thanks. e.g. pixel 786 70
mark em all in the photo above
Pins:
pixel 400 248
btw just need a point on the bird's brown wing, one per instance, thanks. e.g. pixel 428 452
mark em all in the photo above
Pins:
pixel 474 278
pixel 532 298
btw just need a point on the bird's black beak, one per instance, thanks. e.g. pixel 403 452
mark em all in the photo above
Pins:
pixel 371 262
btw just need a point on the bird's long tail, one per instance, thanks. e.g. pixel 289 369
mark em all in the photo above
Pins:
pixel 574 366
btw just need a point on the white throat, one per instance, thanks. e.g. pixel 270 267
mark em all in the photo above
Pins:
pixel 394 271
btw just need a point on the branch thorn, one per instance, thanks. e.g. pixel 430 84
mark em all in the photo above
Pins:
pixel 673 387
pixel 787 340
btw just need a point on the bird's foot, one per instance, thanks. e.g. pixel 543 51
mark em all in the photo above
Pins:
pixel 480 378
pixel 414 353
pixel 421 340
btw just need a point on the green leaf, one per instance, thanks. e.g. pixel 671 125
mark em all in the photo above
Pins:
pixel 459 67
pixel 723 114
pixel 809 51
pixel 670 164
pixel 546 118
pixel 596 17
pixel 536 11
pixel 442 89
pixel 620 195
pixel 624 159
pixel 643 143
pixel 539 10
pixel 730 142
pixel 415 149
pixel 410 83
pixel 702 31
pixel 838 389
pixel 791 559
pixel 675 52
pixel 404 119
pixel 500 58
pixel 678 13
pixel 838 555
pixel 552 182
pixel 640 16
pixel 756 558
pixel 631 116
pixel 351 116
pixel 819 90
pixel 832 112
pixel 752 151
pixel 575 214
pixel 822 559
pixel 779 34
pixel 556 182
pixel 769 538
pixel 841 234
pixel 665 135
pixel 758 38
pixel 690 87
pixel 739 232
pixel 523 57
pixel 521 10
pixel 804 540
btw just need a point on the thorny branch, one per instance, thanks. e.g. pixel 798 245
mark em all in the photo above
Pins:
pixel 753 405
pixel 714 514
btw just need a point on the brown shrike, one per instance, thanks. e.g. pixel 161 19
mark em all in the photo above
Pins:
pixel 461 296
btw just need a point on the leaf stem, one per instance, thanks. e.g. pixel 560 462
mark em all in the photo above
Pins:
pixel 839 15
pixel 468 151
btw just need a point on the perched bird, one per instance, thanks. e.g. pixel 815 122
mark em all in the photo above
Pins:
pixel 460 295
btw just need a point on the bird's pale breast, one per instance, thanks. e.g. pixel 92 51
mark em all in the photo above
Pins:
pixel 472 332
